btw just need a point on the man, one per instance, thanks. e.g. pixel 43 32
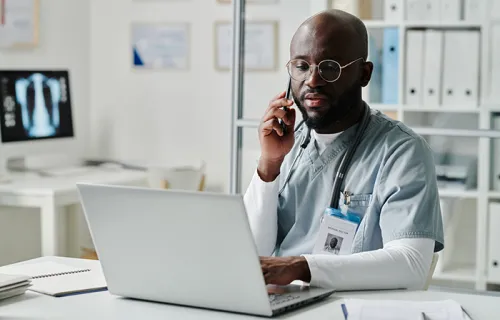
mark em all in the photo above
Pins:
pixel 331 246
pixel 390 184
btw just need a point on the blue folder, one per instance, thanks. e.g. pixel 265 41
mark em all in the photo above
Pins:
pixel 390 66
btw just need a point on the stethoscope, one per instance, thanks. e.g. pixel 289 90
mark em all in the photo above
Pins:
pixel 346 160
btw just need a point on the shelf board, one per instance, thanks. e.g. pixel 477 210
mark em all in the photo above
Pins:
pixel 465 274
pixel 493 109
pixel 417 108
pixel 442 24
pixel 450 193
pixel 381 24
pixel 247 123
pixel 443 109
pixel 422 24
pixel 494 195
pixel 384 107
pixel 470 133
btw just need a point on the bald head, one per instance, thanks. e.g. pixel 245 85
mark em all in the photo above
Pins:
pixel 329 96
pixel 332 25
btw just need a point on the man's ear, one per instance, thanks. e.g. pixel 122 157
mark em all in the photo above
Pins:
pixel 366 73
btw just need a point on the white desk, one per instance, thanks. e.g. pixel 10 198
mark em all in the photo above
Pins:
pixel 52 194
pixel 103 305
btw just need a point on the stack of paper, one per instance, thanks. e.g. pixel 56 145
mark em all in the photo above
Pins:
pixel 57 279
pixel 12 285
pixel 358 309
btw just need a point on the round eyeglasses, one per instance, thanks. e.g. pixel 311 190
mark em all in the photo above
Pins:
pixel 329 70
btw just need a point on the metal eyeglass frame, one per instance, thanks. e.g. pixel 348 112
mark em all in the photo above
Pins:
pixel 314 66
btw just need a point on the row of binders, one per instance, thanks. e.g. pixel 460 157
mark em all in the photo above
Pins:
pixel 434 10
pixel 442 67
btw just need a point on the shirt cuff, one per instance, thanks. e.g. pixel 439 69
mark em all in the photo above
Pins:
pixel 263 185
pixel 313 270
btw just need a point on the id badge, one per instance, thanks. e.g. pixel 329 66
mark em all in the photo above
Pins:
pixel 336 232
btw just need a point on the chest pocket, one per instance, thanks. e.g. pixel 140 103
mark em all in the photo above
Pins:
pixel 358 203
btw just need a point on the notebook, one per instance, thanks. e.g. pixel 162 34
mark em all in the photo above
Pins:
pixel 58 279
pixel 359 309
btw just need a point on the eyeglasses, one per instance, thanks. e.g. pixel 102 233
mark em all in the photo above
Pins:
pixel 329 70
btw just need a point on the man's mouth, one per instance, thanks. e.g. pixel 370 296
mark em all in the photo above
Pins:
pixel 315 100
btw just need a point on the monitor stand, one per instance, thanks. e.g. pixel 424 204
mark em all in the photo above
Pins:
pixel 5 176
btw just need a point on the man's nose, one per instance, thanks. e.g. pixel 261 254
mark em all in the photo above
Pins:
pixel 314 80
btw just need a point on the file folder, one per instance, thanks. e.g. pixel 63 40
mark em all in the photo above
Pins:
pixel 495 10
pixel 495 155
pixel 494 83
pixel 373 91
pixel 451 10
pixel 432 10
pixel 415 10
pixel 461 68
pixel 365 9
pixel 414 67
pixel 393 10
pixel 474 10
pixel 469 84
pixel 493 240
pixel 390 66
pixel 433 58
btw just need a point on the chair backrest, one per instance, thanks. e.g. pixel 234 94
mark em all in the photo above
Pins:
pixel 435 258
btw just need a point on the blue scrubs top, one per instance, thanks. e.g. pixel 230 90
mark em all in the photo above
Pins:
pixel 391 179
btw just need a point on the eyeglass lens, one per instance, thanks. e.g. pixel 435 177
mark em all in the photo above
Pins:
pixel 301 70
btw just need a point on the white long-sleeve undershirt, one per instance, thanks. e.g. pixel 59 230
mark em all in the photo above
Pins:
pixel 400 264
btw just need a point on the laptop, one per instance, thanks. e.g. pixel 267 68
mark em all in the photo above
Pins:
pixel 185 248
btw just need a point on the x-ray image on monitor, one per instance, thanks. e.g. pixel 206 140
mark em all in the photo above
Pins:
pixel 35 105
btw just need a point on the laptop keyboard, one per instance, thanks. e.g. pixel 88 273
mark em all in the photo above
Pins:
pixel 277 299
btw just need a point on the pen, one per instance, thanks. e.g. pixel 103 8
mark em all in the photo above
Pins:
pixel 422 316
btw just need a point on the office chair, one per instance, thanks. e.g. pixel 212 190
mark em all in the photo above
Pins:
pixel 435 258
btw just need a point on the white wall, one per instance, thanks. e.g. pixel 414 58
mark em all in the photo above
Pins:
pixel 64 43
pixel 175 117
pixel 141 116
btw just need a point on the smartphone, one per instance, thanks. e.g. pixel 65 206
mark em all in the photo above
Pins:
pixel 287 96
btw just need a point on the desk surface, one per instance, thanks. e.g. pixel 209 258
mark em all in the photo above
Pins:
pixel 103 305
pixel 34 185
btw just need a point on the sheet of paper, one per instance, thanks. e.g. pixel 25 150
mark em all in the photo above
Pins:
pixel 359 309
pixel 38 269
pixel 161 46
pixel 18 22
pixel 260 45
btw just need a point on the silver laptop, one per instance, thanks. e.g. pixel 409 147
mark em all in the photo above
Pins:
pixel 186 248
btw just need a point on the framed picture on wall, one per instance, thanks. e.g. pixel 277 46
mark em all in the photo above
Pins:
pixel 252 1
pixel 261 45
pixel 161 45
pixel 19 23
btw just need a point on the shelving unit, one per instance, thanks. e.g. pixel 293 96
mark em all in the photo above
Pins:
pixel 476 273
pixel 462 274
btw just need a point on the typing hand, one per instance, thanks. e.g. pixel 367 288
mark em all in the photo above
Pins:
pixel 284 270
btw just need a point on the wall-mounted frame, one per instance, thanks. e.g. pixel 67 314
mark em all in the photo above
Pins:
pixel 251 1
pixel 261 45
pixel 19 23
pixel 161 45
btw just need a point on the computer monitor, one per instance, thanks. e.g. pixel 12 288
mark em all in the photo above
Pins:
pixel 36 115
